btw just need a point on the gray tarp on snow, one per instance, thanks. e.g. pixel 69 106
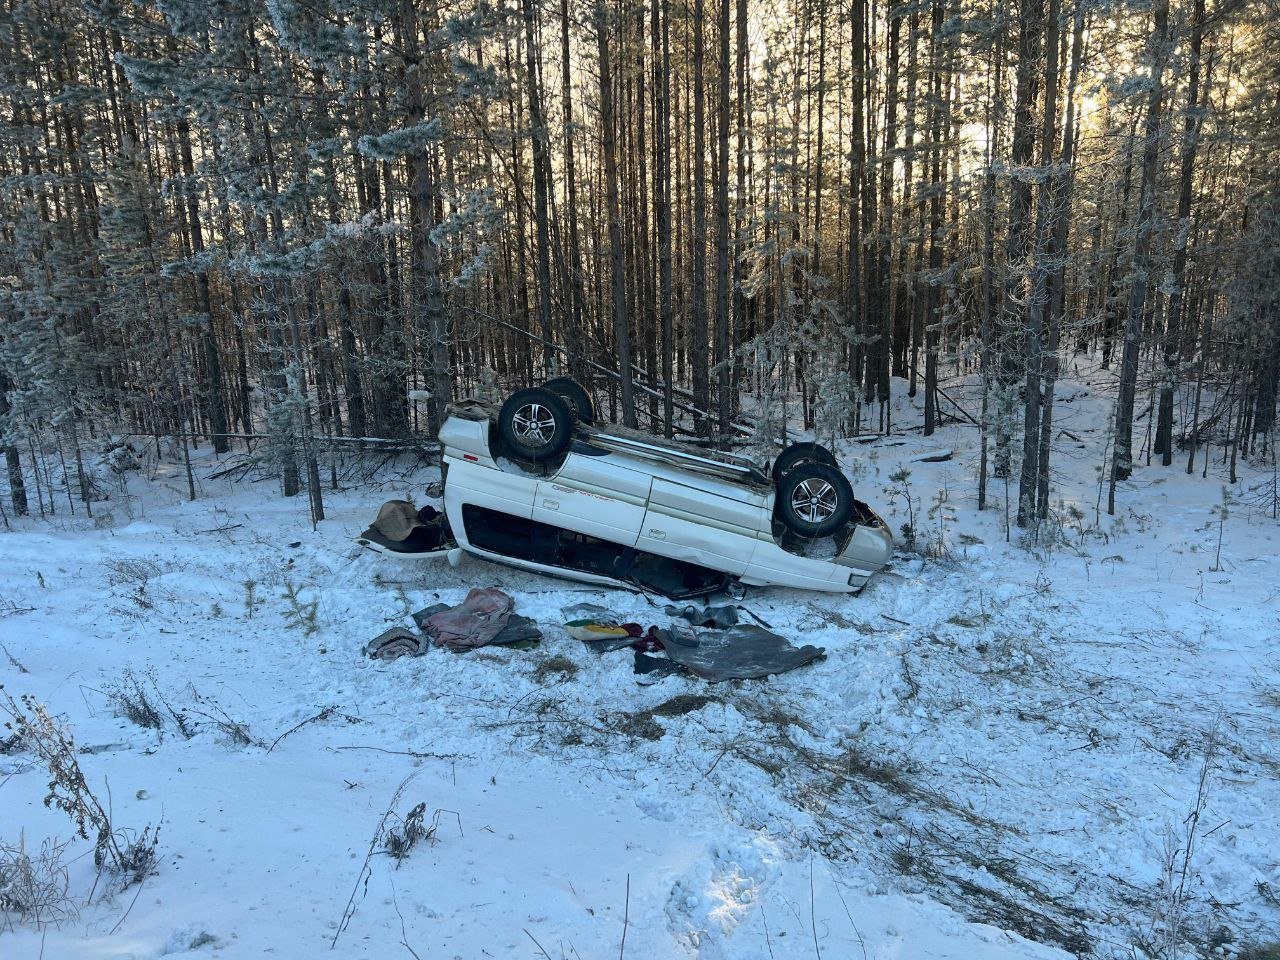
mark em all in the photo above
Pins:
pixel 742 652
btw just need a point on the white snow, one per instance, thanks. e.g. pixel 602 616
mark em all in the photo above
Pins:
pixel 998 746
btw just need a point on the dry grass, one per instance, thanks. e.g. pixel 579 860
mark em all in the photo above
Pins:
pixel 556 666
pixel 34 884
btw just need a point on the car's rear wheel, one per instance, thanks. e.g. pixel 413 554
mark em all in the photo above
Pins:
pixel 535 424
pixel 804 452
pixel 578 399
pixel 814 499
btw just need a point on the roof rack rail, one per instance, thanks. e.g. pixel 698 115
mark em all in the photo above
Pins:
pixel 722 465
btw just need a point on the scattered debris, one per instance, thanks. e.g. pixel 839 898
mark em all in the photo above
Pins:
pixel 519 632
pixel 718 618
pixel 599 628
pixel 473 623
pixel 484 618
pixel 722 649
pixel 743 652
pixel 393 644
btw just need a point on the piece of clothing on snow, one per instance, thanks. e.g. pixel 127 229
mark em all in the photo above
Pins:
pixel 602 633
pixel 743 652
pixel 598 627
pixel 717 618
pixel 589 630
pixel 520 632
pixel 393 644
pixel 473 623
pixel 401 527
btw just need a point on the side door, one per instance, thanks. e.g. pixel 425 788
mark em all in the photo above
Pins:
pixel 470 481
pixel 698 526
pixel 592 495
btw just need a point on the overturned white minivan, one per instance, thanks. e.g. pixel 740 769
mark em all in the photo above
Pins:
pixel 536 485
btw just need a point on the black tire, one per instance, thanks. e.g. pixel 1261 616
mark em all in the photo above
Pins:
pixel 804 452
pixel 578 399
pixel 814 499
pixel 535 424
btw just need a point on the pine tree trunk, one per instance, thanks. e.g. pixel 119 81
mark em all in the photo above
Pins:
pixel 661 56
pixel 13 464
pixel 1063 188
pixel 724 403
pixel 856 320
pixel 541 186
pixel 1041 268
pixel 940 109
pixel 621 328
pixel 698 250
pixel 1018 238
pixel 1122 458
pixel 1173 323
pixel 880 354
pixel 216 399
pixel 574 265
pixel 428 306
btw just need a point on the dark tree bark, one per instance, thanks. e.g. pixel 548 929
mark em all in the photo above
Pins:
pixel 622 332
pixel 1191 123
pixel 541 185
pixel 698 250
pixel 724 404
pixel 1122 458
pixel 1041 268
pixel 573 260
pixel 660 19
pixel 1018 239
pixel 856 322
pixel 216 399
pixel 13 464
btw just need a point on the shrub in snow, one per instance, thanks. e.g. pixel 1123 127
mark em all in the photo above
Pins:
pixel 127 855
pixel 33 885
pixel 130 700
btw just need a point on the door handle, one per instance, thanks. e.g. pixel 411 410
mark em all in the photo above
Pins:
pixel 551 504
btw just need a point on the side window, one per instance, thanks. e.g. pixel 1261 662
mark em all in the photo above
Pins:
pixel 499 532
pixel 536 542
pixel 543 543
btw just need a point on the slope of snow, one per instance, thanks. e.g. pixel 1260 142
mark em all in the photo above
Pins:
pixel 996 758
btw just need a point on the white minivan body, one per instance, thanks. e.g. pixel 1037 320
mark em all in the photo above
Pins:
pixel 629 511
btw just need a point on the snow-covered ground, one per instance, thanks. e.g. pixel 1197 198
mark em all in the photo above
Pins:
pixel 1000 753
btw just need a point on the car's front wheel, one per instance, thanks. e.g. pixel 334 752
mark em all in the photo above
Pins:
pixel 535 424
pixel 814 499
